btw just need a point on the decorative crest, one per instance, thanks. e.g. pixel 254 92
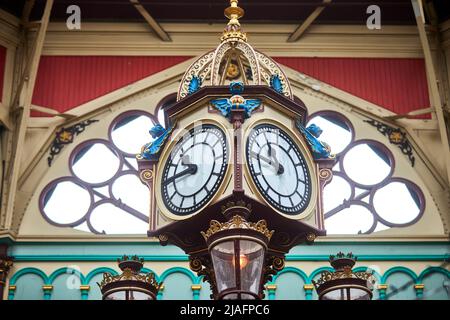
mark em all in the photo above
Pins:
pixel 225 105
pixel 237 222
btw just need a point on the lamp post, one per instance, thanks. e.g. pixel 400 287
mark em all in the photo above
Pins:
pixel 131 284
pixel 343 283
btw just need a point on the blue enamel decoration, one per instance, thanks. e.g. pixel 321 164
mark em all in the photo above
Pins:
pixel 225 105
pixel 319 149
pixel 236 87
pixel 194 84
pixel 276 84
pixel 160 134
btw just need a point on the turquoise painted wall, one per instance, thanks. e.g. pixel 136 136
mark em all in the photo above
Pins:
pixel 178 281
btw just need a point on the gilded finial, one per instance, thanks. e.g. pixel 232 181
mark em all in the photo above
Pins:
pixel 233 29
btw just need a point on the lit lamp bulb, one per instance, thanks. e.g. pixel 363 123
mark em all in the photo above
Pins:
pixel 243 261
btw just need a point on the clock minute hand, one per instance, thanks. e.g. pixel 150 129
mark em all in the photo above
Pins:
pixel 278 165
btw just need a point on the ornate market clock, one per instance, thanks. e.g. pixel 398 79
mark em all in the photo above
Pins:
pixel 278 169
pixel 242 183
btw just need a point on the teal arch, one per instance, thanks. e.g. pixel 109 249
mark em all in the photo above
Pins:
pixel 64 270
pixel 318 271
pixel 199 280
pixel 430 270
pixel 96 271
pixel 24 271
pixel 399 269
pixel 292 270
pixel 185 271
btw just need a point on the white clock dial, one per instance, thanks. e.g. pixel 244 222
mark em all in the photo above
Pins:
pixel 278 169
pixel 194 170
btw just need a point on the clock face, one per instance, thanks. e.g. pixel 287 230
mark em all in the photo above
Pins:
pixel 194 170
pixel 278 169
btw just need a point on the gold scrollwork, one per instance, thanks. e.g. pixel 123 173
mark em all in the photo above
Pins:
pixel 325 174
pixel 146 175
pixel 237 222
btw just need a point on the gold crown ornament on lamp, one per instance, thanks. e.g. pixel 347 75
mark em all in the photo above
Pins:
pixel 131 284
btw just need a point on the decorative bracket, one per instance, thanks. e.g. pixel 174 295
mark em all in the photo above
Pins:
pixel 396 136
pixel 65 136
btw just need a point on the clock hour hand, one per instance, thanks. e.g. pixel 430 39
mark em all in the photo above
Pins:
pixel 274 163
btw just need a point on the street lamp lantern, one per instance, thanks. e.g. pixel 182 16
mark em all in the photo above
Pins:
pixel 131 284
pixel 343 283
pixel 238 249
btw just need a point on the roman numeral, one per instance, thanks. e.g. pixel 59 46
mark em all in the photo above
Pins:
pixel 292 202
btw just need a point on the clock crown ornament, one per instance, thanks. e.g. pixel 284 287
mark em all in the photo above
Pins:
pixel 234 59
pixel 233 31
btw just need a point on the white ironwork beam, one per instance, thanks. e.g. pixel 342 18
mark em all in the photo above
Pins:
pixel 432 81
pixel 305 25
pixel 154 25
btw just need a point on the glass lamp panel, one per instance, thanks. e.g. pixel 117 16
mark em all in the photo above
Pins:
pixel 138 295
pixel 251 264
pixel 337 294
pixel 346 294
pixel 118 295
pixel 358 294
pixel 223 257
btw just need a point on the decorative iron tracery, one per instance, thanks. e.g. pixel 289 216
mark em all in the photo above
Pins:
pixel 365 197
pixel 97 194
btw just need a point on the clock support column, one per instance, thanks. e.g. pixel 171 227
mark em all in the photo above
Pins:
pixel 147 174
pixel 325 175
pixel 237 118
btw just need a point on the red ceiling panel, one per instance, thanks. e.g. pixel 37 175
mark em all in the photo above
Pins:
pixel 399 85
pixel 64 82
